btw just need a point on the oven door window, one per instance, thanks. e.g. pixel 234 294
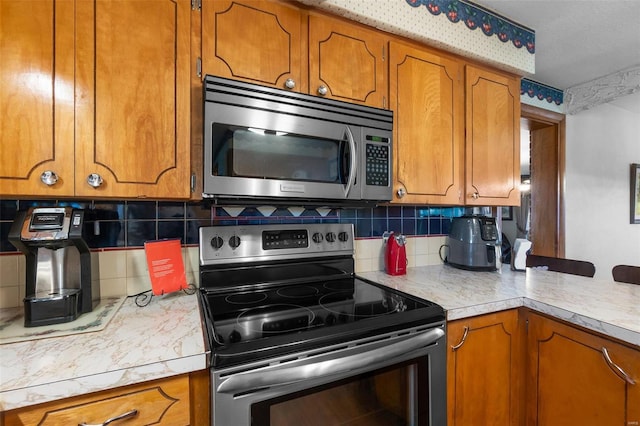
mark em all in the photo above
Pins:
pixel 386 397
pixel 257 153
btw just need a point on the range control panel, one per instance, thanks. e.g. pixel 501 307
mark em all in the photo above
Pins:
pixel 234 244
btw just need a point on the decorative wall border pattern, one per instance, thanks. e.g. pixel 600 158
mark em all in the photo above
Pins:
pixel 541 92
pixel 475 16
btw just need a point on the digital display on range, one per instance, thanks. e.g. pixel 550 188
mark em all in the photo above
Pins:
pixel 274 240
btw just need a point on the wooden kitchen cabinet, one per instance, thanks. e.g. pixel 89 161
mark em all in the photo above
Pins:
pixel 290 48
pixel 178 400
pixel 347 62
pixel 457 130
pixel 485 369
pixel 258 41
pixel 569 380
pixel 36 97
pixel 492 138
pixel 426 93
pixel 103 94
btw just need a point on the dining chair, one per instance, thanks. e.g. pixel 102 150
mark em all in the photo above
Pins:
pixel 557 264
pixel 626 274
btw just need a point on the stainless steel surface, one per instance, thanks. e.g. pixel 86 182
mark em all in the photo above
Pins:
pixel 464 338
pixel 231 244
pixel 49 177
pixel 127 415
pixel 94 180
pixel 57 269
pixel 235 408
pixel 367 131
pixel 283 374
pixel 616 368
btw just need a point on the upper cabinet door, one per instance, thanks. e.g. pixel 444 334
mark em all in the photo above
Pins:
pixel 36 98
pixel 132 98
pixel 346 62
pixel 258 41
pixel 426 95
pixel 493 138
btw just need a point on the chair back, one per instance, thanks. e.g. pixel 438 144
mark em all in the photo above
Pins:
pixel 626 274
pixel 557 264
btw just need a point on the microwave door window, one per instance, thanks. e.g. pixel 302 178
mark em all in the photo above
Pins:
pixel 261 154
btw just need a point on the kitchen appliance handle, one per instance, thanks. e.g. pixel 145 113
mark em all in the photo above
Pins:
pixel 278 375
pixel 352 162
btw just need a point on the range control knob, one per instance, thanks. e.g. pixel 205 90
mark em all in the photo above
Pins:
pixel 317 238
pixel 217 242
pixel 234 242
pixel 343 236
pixel 331 237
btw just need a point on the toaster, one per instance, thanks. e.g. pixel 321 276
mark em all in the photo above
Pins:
pixel 473 243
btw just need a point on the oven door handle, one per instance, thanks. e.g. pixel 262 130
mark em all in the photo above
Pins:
pixel 279 375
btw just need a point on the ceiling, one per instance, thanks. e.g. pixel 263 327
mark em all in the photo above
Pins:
pixel 577 40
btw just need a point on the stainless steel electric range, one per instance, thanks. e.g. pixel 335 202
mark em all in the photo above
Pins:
pixel 297 338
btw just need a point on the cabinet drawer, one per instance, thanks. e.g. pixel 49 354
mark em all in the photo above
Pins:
pixel 161 402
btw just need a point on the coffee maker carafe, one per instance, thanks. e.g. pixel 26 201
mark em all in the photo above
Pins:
pixel 58 265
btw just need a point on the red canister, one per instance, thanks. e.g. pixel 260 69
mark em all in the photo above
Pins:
pixel 395 258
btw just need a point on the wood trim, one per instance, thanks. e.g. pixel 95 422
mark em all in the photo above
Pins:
pixel 200 395
pixel 540 118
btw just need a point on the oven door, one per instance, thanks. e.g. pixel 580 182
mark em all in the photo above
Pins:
pixel 388 380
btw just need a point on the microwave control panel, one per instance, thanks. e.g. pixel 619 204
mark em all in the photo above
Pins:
pixel 377 161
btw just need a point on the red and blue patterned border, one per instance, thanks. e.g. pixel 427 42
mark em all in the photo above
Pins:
pixel 541 92
pixel 474 16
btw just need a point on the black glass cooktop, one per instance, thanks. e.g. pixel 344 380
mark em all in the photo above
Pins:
pixel 266 321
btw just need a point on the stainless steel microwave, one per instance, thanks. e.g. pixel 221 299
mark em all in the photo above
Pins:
pixel 266 145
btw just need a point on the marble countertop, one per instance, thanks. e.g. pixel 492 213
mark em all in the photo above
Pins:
pixel 601 305
pixel 162 339
pixel 166 338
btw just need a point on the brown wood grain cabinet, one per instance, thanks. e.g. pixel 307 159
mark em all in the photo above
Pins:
pixel 581 378
pixel 426 93
pixel 169 401
pixel 492 138
pixel 96 92
pixel 294 49
pixel 258 41
pixel 347 62
pixel 485 369
pixel 457 130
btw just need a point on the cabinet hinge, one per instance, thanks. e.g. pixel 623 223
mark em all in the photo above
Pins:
pixel 384 54
pixel 384 102
pixel 196 4
pixel 193 182
pixel 199 67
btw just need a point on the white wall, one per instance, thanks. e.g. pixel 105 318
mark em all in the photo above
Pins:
pixel 601 144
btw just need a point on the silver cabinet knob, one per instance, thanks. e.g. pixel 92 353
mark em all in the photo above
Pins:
pixel 94 180
pixel 322 90
pixel 290 83
pixel 475 195
pixel 401 192
pixel 49 177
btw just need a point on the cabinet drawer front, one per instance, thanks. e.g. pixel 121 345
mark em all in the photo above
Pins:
pixel 164 402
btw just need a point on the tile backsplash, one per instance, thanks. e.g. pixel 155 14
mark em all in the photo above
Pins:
pixel 118 230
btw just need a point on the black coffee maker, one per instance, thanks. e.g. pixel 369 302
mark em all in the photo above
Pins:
pixel 58 286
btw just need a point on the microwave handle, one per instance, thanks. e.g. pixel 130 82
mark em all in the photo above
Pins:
pixel 278 375
pixel 353 162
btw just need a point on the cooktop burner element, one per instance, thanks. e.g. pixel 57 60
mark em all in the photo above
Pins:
pixel 261 299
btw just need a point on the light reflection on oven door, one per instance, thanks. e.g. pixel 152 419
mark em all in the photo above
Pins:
pixel 386 397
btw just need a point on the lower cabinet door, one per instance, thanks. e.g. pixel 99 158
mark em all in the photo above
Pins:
pixel 485 366
pixel 578 378
pixel 162 402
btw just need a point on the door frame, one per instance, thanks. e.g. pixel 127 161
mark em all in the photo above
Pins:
pixel 533 119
